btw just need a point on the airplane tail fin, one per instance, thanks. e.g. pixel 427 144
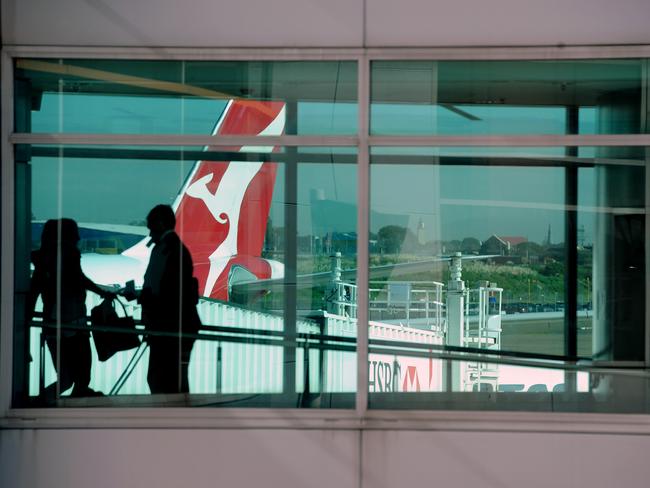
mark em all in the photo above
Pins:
pixel 223 207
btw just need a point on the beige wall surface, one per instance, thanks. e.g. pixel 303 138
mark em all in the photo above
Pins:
pixel 171 458
pixel 190 23
pixel 317 23
pixel 316 458
pixel 504 460
pixel 506 22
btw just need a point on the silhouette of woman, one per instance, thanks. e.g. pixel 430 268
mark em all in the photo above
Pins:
pixel 59 280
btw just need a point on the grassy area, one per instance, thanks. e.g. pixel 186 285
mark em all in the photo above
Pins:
pixel 542 285
pixel 522 284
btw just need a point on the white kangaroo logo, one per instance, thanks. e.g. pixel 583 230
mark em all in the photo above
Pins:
pixel 199 189
pixel 225 206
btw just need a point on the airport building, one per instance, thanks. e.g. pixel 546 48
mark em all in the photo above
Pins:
pixel 418 235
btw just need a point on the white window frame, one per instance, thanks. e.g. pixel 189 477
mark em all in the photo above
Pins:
pixel 361 417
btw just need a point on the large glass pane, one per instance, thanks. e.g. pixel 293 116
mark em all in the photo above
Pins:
pixel 185 97
pixel 500 254
pixel 272 236
pixel 506 97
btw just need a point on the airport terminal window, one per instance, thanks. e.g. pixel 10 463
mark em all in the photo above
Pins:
pixel 471 250
pixel 183 97
pixel 266 228
pixel 500 277
pixel 505 97
pixel 286 248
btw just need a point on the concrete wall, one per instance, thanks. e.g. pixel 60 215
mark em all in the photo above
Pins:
pixel 316 458
pixel 318 23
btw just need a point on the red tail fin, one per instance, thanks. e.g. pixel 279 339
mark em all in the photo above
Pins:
pixel 223 209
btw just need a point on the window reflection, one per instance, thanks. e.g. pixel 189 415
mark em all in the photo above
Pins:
pixel 249 350
pixel 183 97
pixel 505 97
pixel 471 244
pixel 486 264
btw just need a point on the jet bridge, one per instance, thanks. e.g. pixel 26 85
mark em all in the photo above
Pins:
pixel 240 350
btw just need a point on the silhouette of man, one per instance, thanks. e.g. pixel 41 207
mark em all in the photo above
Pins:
pixel 169 296
pixel 61 283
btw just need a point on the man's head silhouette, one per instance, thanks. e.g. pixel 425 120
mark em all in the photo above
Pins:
pixel 160 220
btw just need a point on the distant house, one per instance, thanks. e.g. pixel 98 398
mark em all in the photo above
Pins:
pixel 514 240
pixel 501 245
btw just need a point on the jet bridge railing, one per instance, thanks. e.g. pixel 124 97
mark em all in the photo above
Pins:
pixel 237 351
pixel 342 299
pixel 417 304
pixel 483 331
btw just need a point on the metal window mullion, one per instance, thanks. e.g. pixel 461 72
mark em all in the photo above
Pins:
pixel 186 54
pixel 514 53
pixel 571 251
pixel 333 141
pixel 7 250
pixel 571 262
pixel 645 127
pixel 571 241
pixel 647 259
pixel 290 255
pixel 180 140
pixel 363 199
pixel 559 140
pixel 526 53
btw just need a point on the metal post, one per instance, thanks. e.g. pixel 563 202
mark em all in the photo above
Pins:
pixel 571 250
pixel 335 303
pixel 363 202
pixel 22 240
pixel 455 318
pixel 426 305
pixel 290 252
pixel 219 368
